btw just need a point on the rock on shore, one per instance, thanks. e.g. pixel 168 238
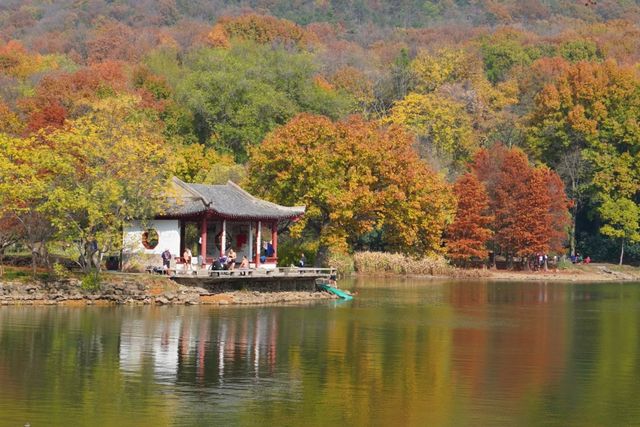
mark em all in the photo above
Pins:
pixel 137 291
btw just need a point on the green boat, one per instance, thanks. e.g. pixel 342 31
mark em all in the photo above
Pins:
pixel 336 291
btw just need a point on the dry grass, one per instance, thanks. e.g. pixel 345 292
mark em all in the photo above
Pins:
pixel 387 263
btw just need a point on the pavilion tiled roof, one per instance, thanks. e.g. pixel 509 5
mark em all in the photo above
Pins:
pixel 227 201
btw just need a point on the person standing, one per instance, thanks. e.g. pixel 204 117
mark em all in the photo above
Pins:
pixel 303 260
pixel 187 258
pixel 166 261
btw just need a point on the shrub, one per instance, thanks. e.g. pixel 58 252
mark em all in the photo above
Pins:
pixel 60 271
pixel 91 282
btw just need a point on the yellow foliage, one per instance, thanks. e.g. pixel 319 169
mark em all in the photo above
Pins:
pixel 443 126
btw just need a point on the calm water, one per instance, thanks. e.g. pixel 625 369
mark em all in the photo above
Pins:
pixel 401 354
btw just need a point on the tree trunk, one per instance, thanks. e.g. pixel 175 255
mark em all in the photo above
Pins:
pixel 322 256
pixel 621 251
pixel 572 240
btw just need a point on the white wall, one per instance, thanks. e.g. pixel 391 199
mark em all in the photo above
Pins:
pixel 168 231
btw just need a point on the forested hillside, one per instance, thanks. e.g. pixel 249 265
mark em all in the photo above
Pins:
pixel 384 118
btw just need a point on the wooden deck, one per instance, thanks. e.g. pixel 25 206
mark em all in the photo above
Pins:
pixel 260 279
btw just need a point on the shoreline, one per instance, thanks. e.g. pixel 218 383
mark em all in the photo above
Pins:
pixel 139 290
pixel 592 273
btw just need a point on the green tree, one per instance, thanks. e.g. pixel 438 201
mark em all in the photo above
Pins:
pixel 238 95
pixel 622 217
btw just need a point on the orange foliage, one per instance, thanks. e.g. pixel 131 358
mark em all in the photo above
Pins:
pixel 47 116
pixel 112 41
pixel 354 177
pixel 261 29
pixel 218 37
pixel 354 82
pixel 529 204
pixel 469 232
pixel 56 95
pixel 15 61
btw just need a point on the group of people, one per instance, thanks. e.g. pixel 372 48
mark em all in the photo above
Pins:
pixel 578 259
pixel 225 262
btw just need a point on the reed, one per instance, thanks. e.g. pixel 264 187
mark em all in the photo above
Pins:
pixel 393 263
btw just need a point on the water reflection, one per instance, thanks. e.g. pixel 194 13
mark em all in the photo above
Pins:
pixel 415 353
pixel 201 346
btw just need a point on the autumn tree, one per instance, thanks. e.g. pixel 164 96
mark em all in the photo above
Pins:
pixel 587 120
pixel 529 204
pixel 442 126
pixel 24 176
pixel 63 95
pixel 261 29
pixel 110 166
pixel 469 232
pixel 196 163
pixel 354 177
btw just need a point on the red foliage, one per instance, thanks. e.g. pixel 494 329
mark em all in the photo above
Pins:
pixel 469 232
pixel 529 204
pixel 112 41
pixel 51 115
pixel 57 94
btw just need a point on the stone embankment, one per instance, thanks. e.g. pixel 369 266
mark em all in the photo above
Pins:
pixel 137 291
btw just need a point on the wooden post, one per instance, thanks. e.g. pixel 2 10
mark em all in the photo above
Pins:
pixel 250 239
pixel 223 238
pixel 203 240
pixel 258 245
pixel 274 238
pixel 182 239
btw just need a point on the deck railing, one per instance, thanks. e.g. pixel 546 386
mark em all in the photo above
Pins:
pixel 260 272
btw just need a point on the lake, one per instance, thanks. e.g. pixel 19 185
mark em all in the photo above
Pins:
pixel 403 353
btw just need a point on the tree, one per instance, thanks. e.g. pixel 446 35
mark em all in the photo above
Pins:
pixel 197 164
pixel 529 204
pixel 261 29
pixel 9 234
pixel 238 95
pixel 442 126
pixel 585 124
pixel 354 177
pixel 430 71
pixel 469 232
pixel 622 221
pixel 24 177
pixel 110 166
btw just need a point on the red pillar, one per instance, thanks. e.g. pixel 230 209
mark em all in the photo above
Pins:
pixel 203 240
pixel 274 238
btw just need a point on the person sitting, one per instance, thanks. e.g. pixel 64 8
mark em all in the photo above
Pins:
pixel 218 264
pixel 587 260
pixel 245 262
pixel 231 259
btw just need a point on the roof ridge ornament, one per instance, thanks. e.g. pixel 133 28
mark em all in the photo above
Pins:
pixel 192 190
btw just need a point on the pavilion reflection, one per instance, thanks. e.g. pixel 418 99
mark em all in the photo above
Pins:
pixel 200 349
